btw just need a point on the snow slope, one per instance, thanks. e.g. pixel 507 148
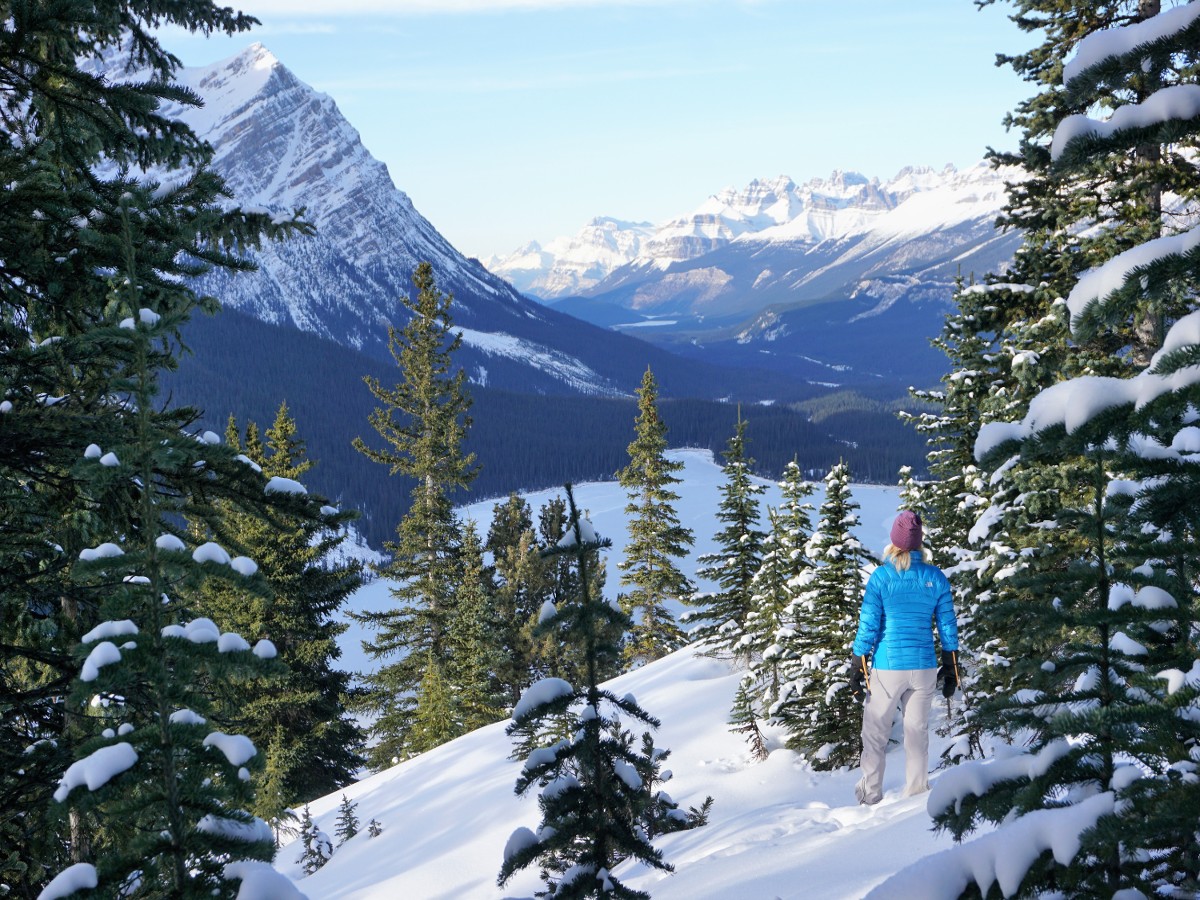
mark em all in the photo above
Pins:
pixel 777 829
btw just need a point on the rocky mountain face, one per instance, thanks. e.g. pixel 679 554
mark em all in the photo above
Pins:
pixel 282 145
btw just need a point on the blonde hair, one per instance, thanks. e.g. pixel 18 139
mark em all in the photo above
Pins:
pixel 902 559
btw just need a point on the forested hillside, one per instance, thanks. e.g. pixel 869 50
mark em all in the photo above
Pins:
pixel 242 366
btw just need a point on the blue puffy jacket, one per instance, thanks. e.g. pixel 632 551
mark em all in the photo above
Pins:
pixel 897 608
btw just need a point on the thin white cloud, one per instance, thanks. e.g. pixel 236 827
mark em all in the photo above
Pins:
pixel 482 83
pixel 270 28
pixel 325 8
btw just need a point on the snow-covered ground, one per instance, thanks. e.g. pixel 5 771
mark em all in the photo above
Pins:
pixel 777 828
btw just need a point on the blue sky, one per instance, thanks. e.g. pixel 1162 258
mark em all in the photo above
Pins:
pixel 509 120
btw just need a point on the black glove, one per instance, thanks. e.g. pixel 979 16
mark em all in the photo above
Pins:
pixel 858 676
pixel 947 673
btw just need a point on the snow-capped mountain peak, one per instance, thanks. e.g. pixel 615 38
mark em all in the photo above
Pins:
pixel 845 204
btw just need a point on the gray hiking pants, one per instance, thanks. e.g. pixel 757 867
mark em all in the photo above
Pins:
pixel 912 691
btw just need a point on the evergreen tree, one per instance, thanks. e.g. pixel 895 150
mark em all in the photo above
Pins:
pixel 554 656
pixel 822 717
pixel 658 813
pixel 1100 651
pixel 770 632
pixel 374 828
pixel 591 789
pixel 169 810
pixel 347 820
pixel 656 537
pixel 316 848
pixel 744 716
pixel 74 150
pixel 312 744
pixel 722 613
pixel 436 718
pixel 521 586
pixel 424 421
pixel 471 634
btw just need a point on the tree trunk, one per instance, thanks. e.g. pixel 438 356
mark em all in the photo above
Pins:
pixel 1148 322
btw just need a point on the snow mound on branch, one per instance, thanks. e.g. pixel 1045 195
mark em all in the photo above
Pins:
pixel 587 533
pixel 541 692
pixel 1102 45
pixel 106 630
pixel 1177 102
pixel 260 881
pixel 79 877
pixel 169 542
pixel 97 769
pixel 104 551
pixel 211 552
pixel 103 654
pixel 238 748
pixel 1002 857
pixel 281 485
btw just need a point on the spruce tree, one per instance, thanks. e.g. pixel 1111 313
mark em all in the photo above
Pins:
pixel 590 787
pixel 552 656
pixel 312 744
pixel 721 613
pixel 472 635
pixel 347 820
pixel 1106 711
pixel 169 806
pixel 745 718
pixel 770 633
pixel 424 421
pixel 656 538
pixel 316 847
pixel 521 586
pixel 74 152
pixel 823 718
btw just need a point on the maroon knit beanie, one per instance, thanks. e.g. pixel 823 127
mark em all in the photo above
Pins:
pixel 906 531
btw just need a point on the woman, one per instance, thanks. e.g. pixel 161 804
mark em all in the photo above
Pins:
pixel 903 595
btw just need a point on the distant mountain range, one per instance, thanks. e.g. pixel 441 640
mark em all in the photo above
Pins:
pixel 805 278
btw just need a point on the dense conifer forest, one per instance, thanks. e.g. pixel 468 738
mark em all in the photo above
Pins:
pixel 242 366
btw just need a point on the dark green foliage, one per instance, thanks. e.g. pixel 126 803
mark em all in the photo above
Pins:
pixel 473 638
pixel 172 813
pixel 592 793
pixel 424 422
pixel 656 537
pixel 822 716
pixel 312 745
pixel 72 213
pixel 316 848
pixel 521 583
pixel 347 820
pixel 1084 598
pixel 722 613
